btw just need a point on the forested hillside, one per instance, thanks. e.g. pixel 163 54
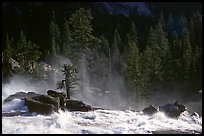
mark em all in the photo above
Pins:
pixel 161 51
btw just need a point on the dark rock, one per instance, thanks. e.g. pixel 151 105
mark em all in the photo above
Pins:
pixel 20 95
pixel 182 107
pixel 46 104
pixel 74 105
pixel 173 110
pixel 54 93
pixel 149 110
pixel 38 107
pixel 31 94
pixel 48 100
pixel 59 95
pixel 195 114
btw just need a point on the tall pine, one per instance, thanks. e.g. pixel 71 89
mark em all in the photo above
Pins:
pixel 55 36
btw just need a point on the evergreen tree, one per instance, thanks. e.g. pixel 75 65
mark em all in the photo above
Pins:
pixel 70 81
pixel 7 55
pixel 170 24
pixel 67 41
pixel 136 74
pixel 115 59
pixel 196 29
pixel 107 52
pixel 160 54
pixel 162 20
pixel 80 22
pixel 27 53
pixel 34 56
pixel 133 68
pixel 55 36
pixel 133 34
pixel 22 51
pixel 187 54
pixel 82 29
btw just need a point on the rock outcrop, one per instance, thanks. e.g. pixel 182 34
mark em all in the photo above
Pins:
pixel 20 95
pixel 74 105
pixel 172 110
pixel 39 107
pixel 47 104
pixel 149 110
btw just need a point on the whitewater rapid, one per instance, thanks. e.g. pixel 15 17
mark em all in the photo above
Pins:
pixel 94 122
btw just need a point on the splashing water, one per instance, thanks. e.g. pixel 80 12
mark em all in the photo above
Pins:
pixel 96 122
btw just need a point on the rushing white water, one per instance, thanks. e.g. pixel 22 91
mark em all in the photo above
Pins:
pixel 95 122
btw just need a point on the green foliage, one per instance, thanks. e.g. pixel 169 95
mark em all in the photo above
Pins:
pixel 26 53
pixel 7 54
pixel 115 52
pixel 187 55
pixel 67 41
pixel 196 29
pixel 133 36
pixel 70 73
pixel 136 74
pixel 134 67
pixel 162 20
pixel 160 53
pixel 162 62
pixel 54 32
pixel 82 29
pixel 170 24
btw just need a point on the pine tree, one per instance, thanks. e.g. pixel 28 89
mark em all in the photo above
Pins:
pixel 55 36
pixel 81 27
pixel 196 29
pixel 162 20
pixel 22 51
pixel 133 68
pixel 107 51
pixel 115 58
pixel 133 34
pixel 70 81
pixel 170 24
pixel 34 56
pixel 67 41
pixel 187 55
pixel 7 54
pixel 135 74
pixel 27 53
pixel 160 54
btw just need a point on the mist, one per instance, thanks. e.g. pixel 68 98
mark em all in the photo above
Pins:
pixel 116 96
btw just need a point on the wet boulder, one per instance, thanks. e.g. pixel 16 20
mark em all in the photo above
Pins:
pixel 39 107
pixel 170 110
pixel 149 110
pixel 182 107
pixel 194 114
pixel 56 95
pixel 48 100
pixel 20 95
pixel 74 105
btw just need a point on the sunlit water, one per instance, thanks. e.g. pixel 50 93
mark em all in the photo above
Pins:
pixel 95 122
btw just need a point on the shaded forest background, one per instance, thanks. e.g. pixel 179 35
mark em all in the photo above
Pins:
pixel 159 53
